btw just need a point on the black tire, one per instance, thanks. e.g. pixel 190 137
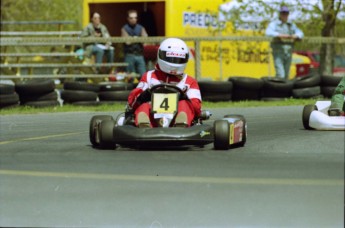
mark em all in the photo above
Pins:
pixel 71 96
pixel 246 88
pixel 221 135
pixel 35 87
pixel 84 103
pixel 84 86
pixel 216 97
pixel 115 86
pixel 218 87
pixel 330 80
pixel 106 129
pixel 308 92
pixel 93 128
pixel 9 100
pixel 246 82
pixel 242 94
pixel 327 91
pixel 309 80
pixel 276 87
pixel 9 106
pixel 40 104
pixel 307 110
pixel 53 96
pixel 114 95
pixel 6 89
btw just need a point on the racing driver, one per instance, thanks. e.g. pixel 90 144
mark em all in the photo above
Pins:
pixel 337 105
pixel 173 55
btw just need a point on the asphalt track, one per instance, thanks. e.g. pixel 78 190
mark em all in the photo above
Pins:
pixel 284 176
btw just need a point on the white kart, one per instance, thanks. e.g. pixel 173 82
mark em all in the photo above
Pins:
pixel 315 117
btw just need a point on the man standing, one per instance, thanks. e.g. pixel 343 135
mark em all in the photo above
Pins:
pixel 285 33
pixel 97 29
pixel 134 51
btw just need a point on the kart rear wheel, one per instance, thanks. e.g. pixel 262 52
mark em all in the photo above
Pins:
pixel 244 132
pixel 106 139
pixel 307 110
pixel 93 129
pixel 234 116
pixel 221 135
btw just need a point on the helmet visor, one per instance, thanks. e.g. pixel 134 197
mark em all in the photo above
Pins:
pixel 173 57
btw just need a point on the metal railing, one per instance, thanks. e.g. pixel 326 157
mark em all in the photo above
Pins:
pixel 54 41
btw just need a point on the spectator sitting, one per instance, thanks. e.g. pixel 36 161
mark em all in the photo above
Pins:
pixel 97 29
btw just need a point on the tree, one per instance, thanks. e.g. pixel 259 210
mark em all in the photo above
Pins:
pixel 329 16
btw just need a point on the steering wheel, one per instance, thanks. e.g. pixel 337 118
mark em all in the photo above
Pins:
pixel 146 95
pixel 166 86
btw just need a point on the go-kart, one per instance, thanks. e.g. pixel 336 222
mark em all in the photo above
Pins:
pixel 225 133
pixel 315 117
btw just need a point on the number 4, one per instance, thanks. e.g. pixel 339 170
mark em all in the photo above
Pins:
pixel 165 104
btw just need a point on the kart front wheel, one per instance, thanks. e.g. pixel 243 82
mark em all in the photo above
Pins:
pixel 93 129
pixel 307 110
pixel 221 135
pixel 106 139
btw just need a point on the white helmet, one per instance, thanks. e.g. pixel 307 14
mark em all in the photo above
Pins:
pixel 173 55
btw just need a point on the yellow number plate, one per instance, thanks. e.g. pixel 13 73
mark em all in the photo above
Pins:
pixel 164 102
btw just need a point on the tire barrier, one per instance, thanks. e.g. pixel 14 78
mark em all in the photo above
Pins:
pixel 327 91
pixel 84 93
pixel 328 85
pixel 275 88
pixel 114 95
pixel 216 90
pixel 74 96
pixel 308 92
pixel 8 96
pixel 79 93
pixel 307 86
pixel 245 88
pixel 9 100
pixel 6 89
pixel 114 91
pixel 37 93
pixel 41 93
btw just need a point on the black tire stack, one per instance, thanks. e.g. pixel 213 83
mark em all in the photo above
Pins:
pixel 307 86
pixel 275 89
pixel 328 84
pixel 37 93
pixel 111 92
pixel 8 96
pixel 80 93
pixel 246 88
pixel 216 90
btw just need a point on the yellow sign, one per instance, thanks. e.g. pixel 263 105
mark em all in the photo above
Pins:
pixel 164 102
pixel 231 135
pixel 198 18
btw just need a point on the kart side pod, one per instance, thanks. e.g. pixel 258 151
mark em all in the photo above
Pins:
pixel 230 131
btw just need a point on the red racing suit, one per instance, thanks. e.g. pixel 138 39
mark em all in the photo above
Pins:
pixel 191 107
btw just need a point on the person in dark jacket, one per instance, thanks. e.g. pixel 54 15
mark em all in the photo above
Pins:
pixel 134 51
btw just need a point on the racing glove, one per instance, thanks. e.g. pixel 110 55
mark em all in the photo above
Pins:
pixel 145 96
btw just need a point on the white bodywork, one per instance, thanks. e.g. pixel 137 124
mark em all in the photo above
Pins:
pixel 320 120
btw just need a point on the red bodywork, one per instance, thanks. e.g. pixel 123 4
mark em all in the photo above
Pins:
pixel 339 61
